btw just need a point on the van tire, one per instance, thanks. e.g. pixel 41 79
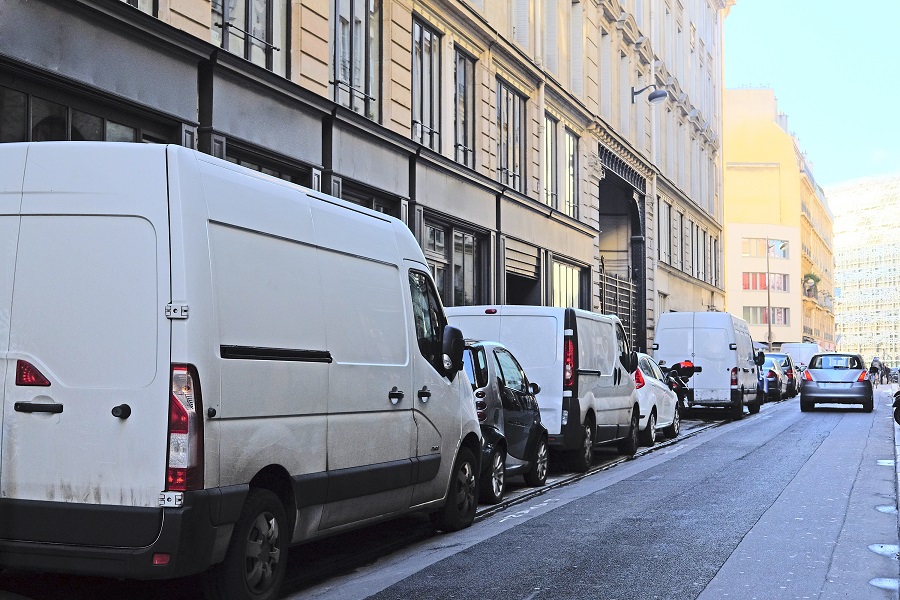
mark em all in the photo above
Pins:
pixel 754 406
pixel 537 476
pixel 648 435
pixel 262 525
pixel 582 458
pixel 493 480
pixel 462 495
pixel 672 430
pixel 737 410
pixel 629 445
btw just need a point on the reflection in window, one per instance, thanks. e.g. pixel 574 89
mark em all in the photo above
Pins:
pixel 566 285
pixel 757 247
pixel 550 172
pixel 355 65
pixel 464 109
pixel 511 145
pixel 428 316
pixel 426 80
pixel 570 190
pixel 463 260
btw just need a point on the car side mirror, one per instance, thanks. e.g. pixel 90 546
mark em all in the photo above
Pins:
pixel 452 347
pixel 661 363
pixel 656 346
pixel 760 358
pixel 732 346
pixel 534 388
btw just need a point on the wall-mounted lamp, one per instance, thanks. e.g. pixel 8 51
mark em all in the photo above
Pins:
pixel 655 97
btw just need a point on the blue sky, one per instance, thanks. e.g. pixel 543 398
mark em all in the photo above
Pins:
pixel 835 69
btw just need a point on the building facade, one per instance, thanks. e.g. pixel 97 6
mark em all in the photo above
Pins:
pixel 514 138
pixel 867 267
pixel 778 225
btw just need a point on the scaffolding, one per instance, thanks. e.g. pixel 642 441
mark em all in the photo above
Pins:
pixel 867 267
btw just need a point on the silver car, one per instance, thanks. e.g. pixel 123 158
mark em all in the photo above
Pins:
pixel 836 378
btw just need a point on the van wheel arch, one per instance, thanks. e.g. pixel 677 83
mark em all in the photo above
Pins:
pixel 276 479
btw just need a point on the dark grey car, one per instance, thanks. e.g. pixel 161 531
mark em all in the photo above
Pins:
pixel 791 371
pixel 836 378
pixel 514 439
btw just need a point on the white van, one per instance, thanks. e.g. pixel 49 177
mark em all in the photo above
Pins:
pixel 203 361
pixel 583 364
pixel 801 352
pixel 720 344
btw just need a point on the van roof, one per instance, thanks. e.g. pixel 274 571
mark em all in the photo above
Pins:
pixel 522 310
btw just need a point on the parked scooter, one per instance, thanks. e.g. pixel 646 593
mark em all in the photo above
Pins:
pixel 677 378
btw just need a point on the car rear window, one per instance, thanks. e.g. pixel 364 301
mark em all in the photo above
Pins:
pixel 836 361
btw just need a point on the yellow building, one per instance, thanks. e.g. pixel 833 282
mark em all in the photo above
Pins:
pixel 778 227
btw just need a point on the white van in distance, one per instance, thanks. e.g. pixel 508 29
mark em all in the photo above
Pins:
pixel 583 363
pixel 201 360
pixel 720 344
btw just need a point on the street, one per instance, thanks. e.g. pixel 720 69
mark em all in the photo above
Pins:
pixel 782 504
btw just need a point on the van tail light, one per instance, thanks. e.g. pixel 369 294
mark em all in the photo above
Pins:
pixel 734 372
pixel 862 376
pixel 638 379
pixel 569 363
pixel 184 465
pixel 808 377
pixel 28 374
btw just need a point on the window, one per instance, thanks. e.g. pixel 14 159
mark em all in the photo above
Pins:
pixel 143 5
pixel 511 146
pixel 464 109
pixel 758 315
pixel 463 260
pixel 757 281
pixel 664 226
pixel 253 29
pixel 567 285
pixel 356 68
pixel 429 318
pixel 551 183
pixel 570 190
pixel 426 82
pixel 757 247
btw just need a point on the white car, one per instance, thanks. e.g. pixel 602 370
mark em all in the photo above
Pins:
pixel 658 403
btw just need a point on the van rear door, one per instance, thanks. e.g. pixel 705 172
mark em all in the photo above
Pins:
pixel 86 310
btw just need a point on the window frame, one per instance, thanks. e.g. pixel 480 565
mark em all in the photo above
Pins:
pixel 464 128
pixel 221 31
pixel 447 261
pixel 551 167
pixel 511 116
pixel 426 126
pixel 570 185
pixel 364 100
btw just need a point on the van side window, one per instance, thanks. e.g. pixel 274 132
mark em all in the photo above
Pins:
pixel 621 340
pixel 429 318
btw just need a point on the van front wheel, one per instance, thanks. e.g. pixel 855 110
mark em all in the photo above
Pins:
pixel 255 561
pixel 462 497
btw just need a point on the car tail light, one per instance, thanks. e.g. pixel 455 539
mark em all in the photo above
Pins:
pixel 734 372
pixel 28 374
pixel 790 374
pixel 807 376
pixel 771 374
pixel 639 381
pixel 185 457
pixel 569 363
pixel 862 376
pixel 480 410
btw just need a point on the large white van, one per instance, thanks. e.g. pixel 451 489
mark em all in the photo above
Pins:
pixel 583 364
pixel 801 352
pixel 204 364
pixel 720 344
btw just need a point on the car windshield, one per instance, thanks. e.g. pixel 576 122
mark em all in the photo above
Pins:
pixel 769 362
pixel 836 361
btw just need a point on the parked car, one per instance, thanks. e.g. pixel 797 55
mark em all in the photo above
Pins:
pixel 584 363
pixel 836 378
pixel 791 370
pixel 658 401
pixel 270 365
pixel 772 379
pixel 515 440
pixel 720 344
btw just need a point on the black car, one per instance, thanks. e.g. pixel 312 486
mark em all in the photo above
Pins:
pixel 791 370
pixel 514 439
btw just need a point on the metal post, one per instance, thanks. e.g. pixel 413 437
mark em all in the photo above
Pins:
pixel 768 294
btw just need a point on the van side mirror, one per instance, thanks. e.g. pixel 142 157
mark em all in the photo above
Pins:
pixel 452 347
pixel 534 388
pixel 631 362
pixel 759 359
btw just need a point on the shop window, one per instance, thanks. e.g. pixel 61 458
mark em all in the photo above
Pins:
pixel 456 260
pixel 253 29
pixel 567 285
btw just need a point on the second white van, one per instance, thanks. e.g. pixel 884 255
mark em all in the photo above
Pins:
pixel 720 344
pixel 583 364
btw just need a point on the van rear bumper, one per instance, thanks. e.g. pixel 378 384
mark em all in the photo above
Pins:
pixel 111 541
pixel 570 435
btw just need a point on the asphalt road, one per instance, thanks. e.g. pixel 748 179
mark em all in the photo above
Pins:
pixel 782 504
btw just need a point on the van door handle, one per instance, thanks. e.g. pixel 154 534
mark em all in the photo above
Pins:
pixel 395 395
pixel 33 407
pixel 424 394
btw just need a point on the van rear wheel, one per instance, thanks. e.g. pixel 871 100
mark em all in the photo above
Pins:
pixel 256 558
pixel 462 496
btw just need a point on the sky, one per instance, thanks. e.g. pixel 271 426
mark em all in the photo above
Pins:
pixel 835 69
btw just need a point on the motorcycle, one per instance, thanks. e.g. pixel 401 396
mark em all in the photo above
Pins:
pixel 677 379
pixel 896 406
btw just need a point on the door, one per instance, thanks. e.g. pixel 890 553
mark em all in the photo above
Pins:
pixel 435 399
pixel 88 313
pixel 517 400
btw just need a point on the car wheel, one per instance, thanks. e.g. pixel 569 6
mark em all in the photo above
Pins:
pixel 806 406
pixel 256 557
pixel 462 496
pixel 648 435
pixel 869 405
pixel 630 444
pixel 754 406
pixel 493 485
pixel 672 430
pixel 537 476
pixel 583 458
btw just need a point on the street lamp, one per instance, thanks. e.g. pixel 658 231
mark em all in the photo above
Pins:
pixel 769 246
pixel 655 97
